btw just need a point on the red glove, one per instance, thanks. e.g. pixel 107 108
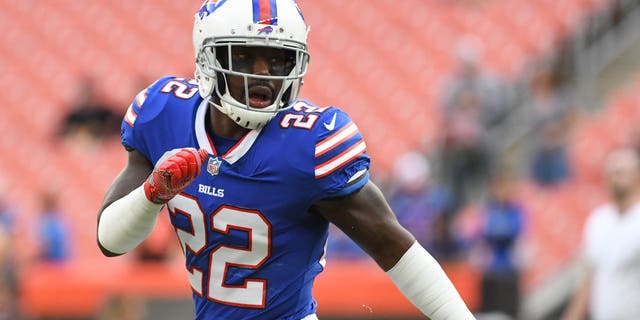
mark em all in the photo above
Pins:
pixel 174 174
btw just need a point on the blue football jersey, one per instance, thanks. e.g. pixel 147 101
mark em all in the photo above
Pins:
pixel 252 247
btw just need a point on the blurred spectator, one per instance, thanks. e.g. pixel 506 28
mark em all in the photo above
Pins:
pixel 8 263
pixel 420 205
pixel 474 101
pixel 493 98
pixel 552 119
pixel 90 118
pixel 7 213
pixel 610 285
pixel 464 154
pixel 8 284
pixel 502 226
pixel 53 241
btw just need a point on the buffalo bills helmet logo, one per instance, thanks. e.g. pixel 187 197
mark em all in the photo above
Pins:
pixel 265 30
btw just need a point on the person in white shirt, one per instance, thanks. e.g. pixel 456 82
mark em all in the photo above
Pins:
pixel 610 286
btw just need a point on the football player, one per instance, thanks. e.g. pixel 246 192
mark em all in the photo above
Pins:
pixel 252 176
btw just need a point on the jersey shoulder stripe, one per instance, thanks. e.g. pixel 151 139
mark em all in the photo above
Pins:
pixel 131 115
pixel 336 139
pixel 340 143
pixel 340 160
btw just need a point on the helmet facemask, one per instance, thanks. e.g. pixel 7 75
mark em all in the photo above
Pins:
pixel 222 60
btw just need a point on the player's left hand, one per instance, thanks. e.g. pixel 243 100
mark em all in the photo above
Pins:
pixel 174 174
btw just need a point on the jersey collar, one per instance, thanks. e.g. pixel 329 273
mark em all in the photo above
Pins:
pixel 236 152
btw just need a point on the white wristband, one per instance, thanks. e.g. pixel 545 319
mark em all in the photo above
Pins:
pixel 421 279
pixel 125 223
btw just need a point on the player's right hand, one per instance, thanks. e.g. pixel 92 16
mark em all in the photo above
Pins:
pixel 174 174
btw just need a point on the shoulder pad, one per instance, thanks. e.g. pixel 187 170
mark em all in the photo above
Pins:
pixel 166 101
pixel 155 97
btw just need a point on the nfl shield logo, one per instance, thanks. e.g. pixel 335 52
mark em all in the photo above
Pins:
pixel 213 166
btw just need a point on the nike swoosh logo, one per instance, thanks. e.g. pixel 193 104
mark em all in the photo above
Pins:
pixel 331 125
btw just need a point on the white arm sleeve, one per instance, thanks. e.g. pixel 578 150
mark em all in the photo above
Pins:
pixel 421 279
pixel 125 223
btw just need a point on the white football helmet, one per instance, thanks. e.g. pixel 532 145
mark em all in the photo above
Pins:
pixel 222 25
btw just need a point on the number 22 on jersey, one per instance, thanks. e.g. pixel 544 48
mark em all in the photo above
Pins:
pixel 252 293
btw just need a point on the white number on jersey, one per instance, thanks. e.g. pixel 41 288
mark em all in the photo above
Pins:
pixel 252 293
pixel 302 121
pixel 180 89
